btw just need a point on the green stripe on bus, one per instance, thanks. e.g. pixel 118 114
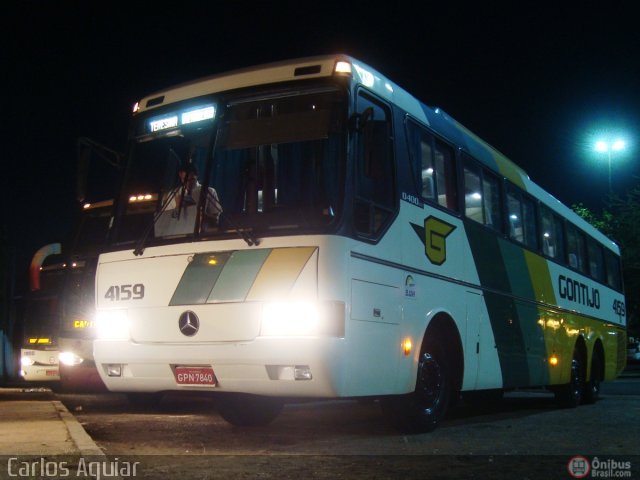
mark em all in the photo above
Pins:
pixel 199 278
pixel 238 275
pixel 490 259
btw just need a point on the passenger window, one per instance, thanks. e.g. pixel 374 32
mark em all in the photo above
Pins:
pixel 612 264
pixel 596 260
pixel 514 210
pixel 433 167
pixel 491 201
pixel 576 254
pixel 445 176
pixel 530 223
pixel 427 170
pixel 473 193
pixel 522 218
pixel 482 195
pixel 552 237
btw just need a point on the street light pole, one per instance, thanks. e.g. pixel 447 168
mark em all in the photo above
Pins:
pixel 606 147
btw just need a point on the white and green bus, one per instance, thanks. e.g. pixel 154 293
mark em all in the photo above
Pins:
pixel 343 240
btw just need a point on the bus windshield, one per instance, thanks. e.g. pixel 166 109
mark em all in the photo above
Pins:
pixel 267 164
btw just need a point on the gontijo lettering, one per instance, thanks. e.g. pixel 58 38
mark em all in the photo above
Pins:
pixel 576 291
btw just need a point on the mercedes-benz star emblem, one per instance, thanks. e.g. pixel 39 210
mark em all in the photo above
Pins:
pixel 189 323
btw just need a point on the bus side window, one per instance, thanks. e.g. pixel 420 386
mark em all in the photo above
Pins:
pixel 596 260
pixel 612 265
pixel 432 166
pixel 445 176
pixel 473 193
pixel 576 254
pixel 550 241
pixel 491 201
pixel 375 176
pixel 522 218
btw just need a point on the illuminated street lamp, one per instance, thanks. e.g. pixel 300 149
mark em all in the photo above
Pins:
pixel 607 147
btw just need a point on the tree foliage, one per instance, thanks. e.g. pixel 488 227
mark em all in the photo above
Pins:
pixel 620 221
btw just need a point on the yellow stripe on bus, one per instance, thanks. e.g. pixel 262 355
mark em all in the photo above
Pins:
pixel 279 273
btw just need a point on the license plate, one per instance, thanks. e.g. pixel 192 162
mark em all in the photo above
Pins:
pixel 51 373
pixel 195 376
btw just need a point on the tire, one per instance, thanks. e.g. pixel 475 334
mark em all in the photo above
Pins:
pixel 570 394
pixel 591 392
pixel 422 410
pixel 244 410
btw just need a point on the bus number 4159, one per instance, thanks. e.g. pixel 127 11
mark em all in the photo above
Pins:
pixel 117 293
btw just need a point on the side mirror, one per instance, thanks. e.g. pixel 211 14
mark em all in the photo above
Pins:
pixel 86 150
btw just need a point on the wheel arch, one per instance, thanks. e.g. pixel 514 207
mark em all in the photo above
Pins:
pixel 443 327
pixel 597 351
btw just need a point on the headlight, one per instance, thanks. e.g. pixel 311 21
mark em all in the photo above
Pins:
pixel 26 361
pixel 289 318
pixel 69 359
pixel 112 325
pixel 302 319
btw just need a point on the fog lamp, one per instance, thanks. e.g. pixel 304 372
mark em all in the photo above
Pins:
pixel 70 359
pixel 114 370
pixel 302 372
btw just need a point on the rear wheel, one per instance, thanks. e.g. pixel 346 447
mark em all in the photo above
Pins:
pixel 592 387
pixel 244 410
pixel 424 408
pixel 570 394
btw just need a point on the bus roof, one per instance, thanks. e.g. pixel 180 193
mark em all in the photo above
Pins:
pixel 436 118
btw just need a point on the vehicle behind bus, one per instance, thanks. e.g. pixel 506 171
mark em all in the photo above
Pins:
pixel 39 316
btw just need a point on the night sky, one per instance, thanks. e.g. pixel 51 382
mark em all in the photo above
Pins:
pixel 536 82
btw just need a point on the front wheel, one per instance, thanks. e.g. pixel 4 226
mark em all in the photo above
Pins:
pixel 424 408
pixel 244 410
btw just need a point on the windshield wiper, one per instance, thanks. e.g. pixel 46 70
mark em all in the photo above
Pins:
pixel 247 237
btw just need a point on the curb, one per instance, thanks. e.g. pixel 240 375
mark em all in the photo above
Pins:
pixel 85 444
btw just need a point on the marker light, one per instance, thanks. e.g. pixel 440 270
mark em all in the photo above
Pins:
pixel 553 360
pixel 407 345
pixel 112 325
pixel 136 107
pixel 343 67
pixel 69 359
pixel 141 197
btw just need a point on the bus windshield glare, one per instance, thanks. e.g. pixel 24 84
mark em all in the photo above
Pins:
pixel 267 164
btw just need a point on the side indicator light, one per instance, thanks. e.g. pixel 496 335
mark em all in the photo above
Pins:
pixel 407 346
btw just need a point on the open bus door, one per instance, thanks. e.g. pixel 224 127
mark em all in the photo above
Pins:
pixel 99 170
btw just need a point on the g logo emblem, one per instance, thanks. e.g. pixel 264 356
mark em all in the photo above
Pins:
pixel 435 234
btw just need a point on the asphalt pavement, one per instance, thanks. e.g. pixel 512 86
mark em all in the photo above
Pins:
pixel 34 423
